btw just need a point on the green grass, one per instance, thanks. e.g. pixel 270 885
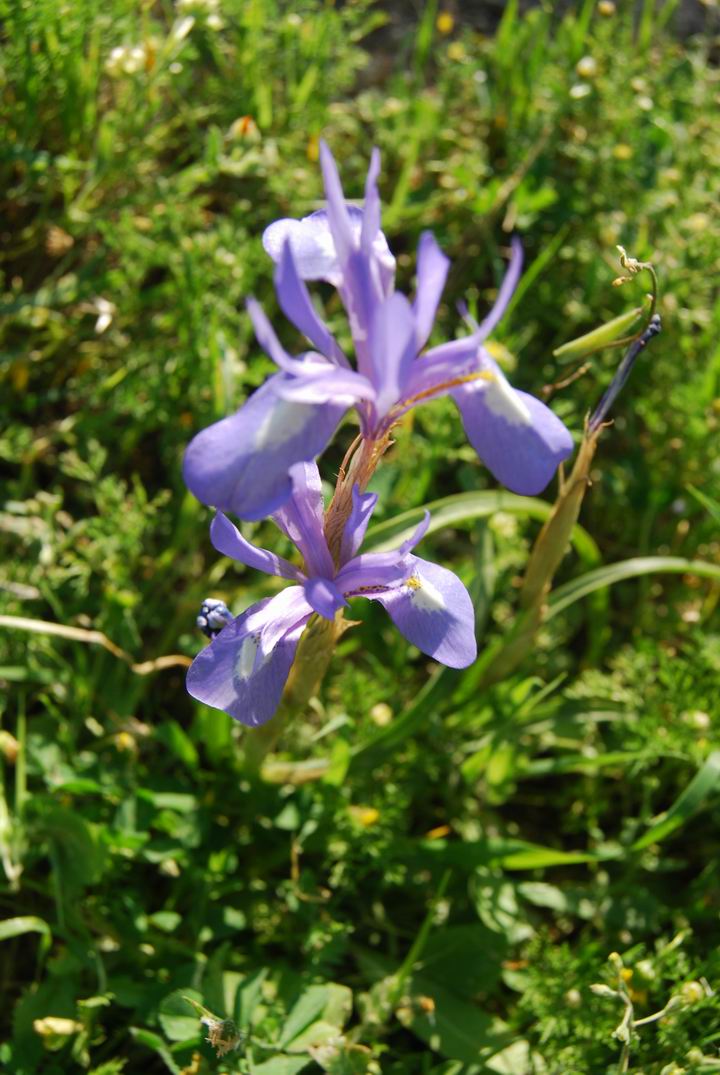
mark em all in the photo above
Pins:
pixel 442 895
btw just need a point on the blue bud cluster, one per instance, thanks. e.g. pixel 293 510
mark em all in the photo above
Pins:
pixel 214 615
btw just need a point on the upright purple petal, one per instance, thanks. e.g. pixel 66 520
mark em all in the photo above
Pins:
pixel 517 437
pixel 432 270
pixel 392 347
pixel 297 306
pixel 312 245
pixel 338 217
pixel 361 292
pixel 301 518
pixel 417 535
pixel 507 288
pixel 228 540
pixel 433 610
pixel 363 505
pixel 234 674
pixel 241 463
pixel 371 205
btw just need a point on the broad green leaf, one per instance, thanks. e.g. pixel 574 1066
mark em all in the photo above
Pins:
pixel 178 742
pixel 247 997
pixel 609 575
pixel 331 1003
pixel 449 1024
pixel 561 900
pixel 177 1018
pixel 179 801
pixel 464 958
pixel 341 1057
pixel 496 902
pixel 703 784
pixel 282 1065
pixel 112 1067
pixel 318 1033
pixel 78 855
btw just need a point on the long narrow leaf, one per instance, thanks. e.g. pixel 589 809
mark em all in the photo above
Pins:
pixel 16 927
pixel 609 574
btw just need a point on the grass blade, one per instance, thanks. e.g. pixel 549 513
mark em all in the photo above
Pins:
pixel 700 787
pixel 608 575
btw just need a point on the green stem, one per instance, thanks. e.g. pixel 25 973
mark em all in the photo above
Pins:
pixel 21 760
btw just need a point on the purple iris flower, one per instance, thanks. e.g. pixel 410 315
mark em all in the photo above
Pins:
pixel 244 669
pixel 242 463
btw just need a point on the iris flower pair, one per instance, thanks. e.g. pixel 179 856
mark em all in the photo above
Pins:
pixel 260 461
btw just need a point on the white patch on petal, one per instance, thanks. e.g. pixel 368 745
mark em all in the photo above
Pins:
pixel 245 660
pixel 282 422
pixel 504 401
pixel 425 596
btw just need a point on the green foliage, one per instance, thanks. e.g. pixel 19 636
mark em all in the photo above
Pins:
pixel 441 880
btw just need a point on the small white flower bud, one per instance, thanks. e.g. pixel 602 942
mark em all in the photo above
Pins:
pixel 601 990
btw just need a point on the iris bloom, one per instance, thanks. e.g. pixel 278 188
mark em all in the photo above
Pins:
pixel 242 463
pixel 244 669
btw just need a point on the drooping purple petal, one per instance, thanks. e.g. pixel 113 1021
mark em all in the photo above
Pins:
pixel 228 540
pixel 324 596
pixel 297 306
pixel 507 288
pixel 286 609
pixel 433 610
pixel 392 348
pixel 372 572
pixel 438 371
pixel 517 437
pixel 432 270
pixel 241 463
pixel 363 505
pixel 235 675
pixel 301 518
pixel 267 338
